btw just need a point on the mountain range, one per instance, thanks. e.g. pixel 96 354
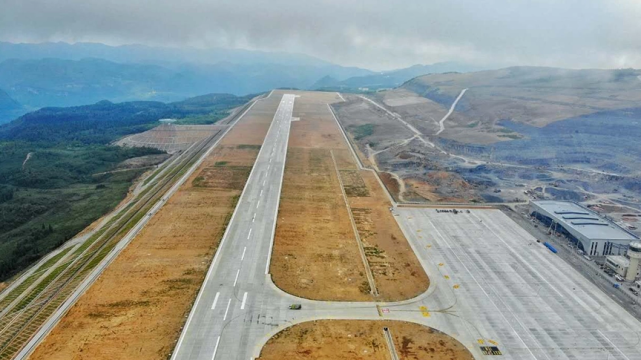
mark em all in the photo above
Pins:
pixel 33 76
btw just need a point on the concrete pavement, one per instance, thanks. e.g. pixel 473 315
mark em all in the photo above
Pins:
pixel 491 286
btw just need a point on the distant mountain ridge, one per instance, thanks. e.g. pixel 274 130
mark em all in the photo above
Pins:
pixel 9 108
pixel 61 74
pixel 46 82
pixel 391 79
pixel 151 55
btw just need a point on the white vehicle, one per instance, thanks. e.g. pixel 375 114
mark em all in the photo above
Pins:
pixel 587 258
pixel 579 251
pixel 618 277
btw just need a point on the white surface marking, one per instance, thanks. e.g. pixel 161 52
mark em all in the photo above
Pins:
pixel 242 306
pixel 213 306
pixel 226 311
pixel 215 348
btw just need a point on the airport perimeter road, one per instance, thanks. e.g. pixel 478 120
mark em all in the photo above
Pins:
pixel 512 292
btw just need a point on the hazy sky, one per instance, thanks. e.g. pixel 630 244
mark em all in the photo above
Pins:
pixel 375 34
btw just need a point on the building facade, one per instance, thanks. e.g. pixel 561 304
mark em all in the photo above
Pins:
pixel 592 233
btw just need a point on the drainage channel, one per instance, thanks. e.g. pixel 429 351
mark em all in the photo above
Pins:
pixel 390 343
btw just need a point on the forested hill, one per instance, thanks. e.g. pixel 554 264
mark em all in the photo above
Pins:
pixel 104 122
pixel 55 167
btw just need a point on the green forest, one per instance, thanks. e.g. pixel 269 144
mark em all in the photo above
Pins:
pixel 53 163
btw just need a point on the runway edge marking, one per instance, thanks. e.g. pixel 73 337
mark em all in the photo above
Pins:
pixel 225 235
pixel 280 188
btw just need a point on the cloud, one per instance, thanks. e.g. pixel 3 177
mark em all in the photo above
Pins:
pixel 375 33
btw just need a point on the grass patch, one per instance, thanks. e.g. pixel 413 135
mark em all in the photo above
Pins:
pixel 362 131
pixel 248 146
pixel 128 304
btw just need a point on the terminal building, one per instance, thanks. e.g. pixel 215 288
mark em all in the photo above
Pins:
pixel 592 233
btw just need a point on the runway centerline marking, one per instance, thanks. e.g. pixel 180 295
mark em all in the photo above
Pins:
pixel 254 218
pixel 213 306
pixel 250 233
pixel 236 279
pixel 258 203
pixel 242 306
pixel 243 257
pixel 225 317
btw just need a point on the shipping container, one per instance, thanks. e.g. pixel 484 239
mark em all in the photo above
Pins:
pixel 547 245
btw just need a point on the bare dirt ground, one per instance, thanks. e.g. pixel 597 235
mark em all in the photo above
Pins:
pixel 315 252
pixel 411 169
pixel 361 340
pixel 169 137
pixel 143 161
pixel 136 309
pixel 397 272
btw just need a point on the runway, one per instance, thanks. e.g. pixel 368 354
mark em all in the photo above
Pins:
pixel 493 288
pixel 233 291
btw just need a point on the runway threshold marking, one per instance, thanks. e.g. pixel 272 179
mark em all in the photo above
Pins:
pixel 242 306
pixel 225 316
pixel 213 306
pixel 243 257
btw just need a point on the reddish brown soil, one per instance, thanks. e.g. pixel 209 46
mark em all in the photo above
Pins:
pixel 361 340
pixel 315 251
pixel 137 307
pixel 397 271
